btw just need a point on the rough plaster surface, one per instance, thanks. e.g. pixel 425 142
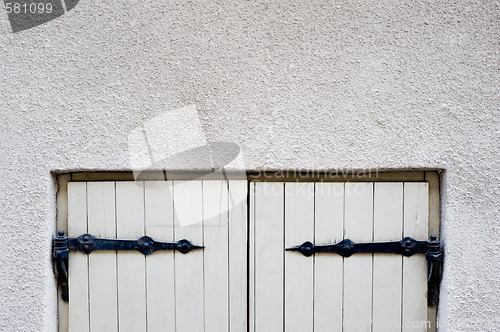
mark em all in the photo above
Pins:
pixel 296 84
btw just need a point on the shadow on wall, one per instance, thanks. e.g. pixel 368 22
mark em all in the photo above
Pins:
pixel 26 14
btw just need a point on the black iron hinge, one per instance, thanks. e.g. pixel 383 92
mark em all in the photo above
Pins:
pixel 87 243
pixel 406 247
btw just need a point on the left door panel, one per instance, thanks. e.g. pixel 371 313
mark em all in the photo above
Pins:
pixel 166 290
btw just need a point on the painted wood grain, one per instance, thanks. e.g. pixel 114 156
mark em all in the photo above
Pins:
pixel 216 255
pixel 415 267
pixel 77 261
pixel 238 273
pixel 358 226
pixel 269 256
pixel 299 283
pixel 328 276
pixel 387 268
pixel 102 264
pixel 159 223
pixel 188 215
pixel 131 265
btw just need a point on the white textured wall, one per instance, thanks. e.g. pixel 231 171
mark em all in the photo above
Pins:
pixel 301 84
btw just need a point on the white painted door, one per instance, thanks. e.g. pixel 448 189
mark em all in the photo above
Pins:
pixel 203 290
pixel 206 290
pixel 326 292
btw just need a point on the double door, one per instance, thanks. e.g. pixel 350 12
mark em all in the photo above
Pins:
pixel 243 278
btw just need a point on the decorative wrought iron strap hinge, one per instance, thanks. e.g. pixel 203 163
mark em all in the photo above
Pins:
pixel 406 247
pixel 60 253
pixel 434 256
pixel 87 243
pixel 346 248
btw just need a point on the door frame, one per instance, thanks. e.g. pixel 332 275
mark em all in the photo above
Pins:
pixel 432 177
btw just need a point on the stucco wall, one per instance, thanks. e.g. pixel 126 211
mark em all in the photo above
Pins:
pixel 299 84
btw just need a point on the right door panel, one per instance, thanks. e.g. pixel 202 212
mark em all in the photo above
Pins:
pixel 326 292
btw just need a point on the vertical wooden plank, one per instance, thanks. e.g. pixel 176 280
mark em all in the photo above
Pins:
pixel 62 224
pixel 432 179
pixel 387 268
pixel 62 202
pixel 415 267
pixel 358 268
pixel 159 219
pixel 102 264
pixel 188 267
pixel 78 262
pixel 299 227
pixel 269 256
pixel 251 258
pixel 215 254
pixel 238 242
pixel 131 265
pixel 328 276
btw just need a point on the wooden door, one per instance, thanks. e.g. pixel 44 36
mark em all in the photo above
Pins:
pixel 203 290
pixel 206 290
pixel 326 292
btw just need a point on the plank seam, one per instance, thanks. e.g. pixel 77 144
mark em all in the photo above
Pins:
pixel 87 256
pixel 373 256
pixel 202 224
pixel 175 254
pixel 402 259
pixel 343 259
pixel 284 262
pixel 116 258
pixel 248 254
pixel 228 260
pixel 254 262
pixel 145 258
pixel 314 260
